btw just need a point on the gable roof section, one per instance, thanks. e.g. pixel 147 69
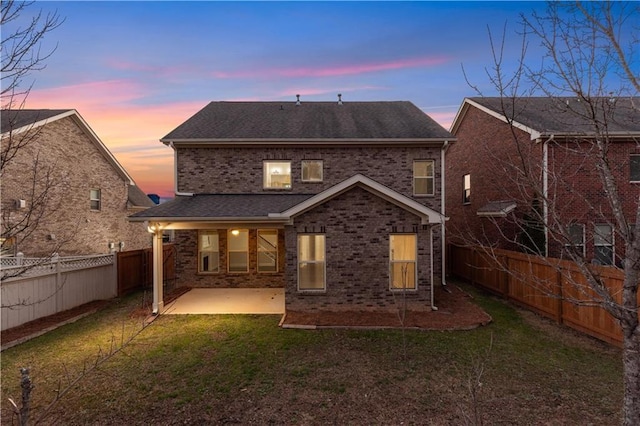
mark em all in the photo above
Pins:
pixel 546 116
pixel 428 216
pixel 15 122
pixel 310 121
pixel 137 198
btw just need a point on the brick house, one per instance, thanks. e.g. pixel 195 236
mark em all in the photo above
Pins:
pixel 499 140
pixel 339 203
pixel 73 188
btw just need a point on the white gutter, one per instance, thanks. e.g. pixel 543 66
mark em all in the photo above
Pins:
pixel 175 173
pixel 445 147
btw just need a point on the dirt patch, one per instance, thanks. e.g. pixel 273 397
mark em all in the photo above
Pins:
pixel 456 311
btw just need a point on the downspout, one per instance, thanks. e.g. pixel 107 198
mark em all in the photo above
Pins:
pixel 545 192
pixel 433 307
pixel 445 147
pixel 175 173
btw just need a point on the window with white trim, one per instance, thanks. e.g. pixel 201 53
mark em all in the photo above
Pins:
pixel 208 252
pixel 403 261
pixel 423 177
pixel 603 244
pixel 267 242
pixel 95 199
pixel 277 174
pixel 466 189
pixel 311 170
pixel 634 168
pixel 576 238
pixel 238 250
pixel 311 262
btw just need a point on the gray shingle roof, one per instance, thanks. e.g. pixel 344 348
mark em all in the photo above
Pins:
pixel 17 118
pixel 212 206
pixel 137 198
pixel 567 115
pixel 309 120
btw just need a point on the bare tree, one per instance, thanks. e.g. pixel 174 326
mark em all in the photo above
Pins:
pixel 590 81
pixel 22 54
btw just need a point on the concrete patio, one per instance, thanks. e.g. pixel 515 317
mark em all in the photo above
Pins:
pixel 228 301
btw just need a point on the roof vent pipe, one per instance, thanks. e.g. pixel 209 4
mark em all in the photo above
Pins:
pixel 297 99
pixel 339 98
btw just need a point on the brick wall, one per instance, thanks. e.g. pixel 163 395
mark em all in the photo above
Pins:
pixel 240 170
pixel 357 225
pixel 74 165
pixel 486 149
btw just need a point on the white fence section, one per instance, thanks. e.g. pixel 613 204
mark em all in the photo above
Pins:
pixel 45 287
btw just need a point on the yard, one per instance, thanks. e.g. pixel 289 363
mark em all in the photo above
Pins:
pixel 520 369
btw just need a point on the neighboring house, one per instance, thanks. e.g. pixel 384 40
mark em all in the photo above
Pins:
pixel 63 181
pixel 487 163
pixel 339 202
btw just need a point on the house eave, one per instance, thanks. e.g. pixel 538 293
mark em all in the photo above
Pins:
pixel 186 143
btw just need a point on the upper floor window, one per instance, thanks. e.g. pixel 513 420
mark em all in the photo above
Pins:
pixel 466 189
pixel 277 174
pixel 312 170
pixel 95 199
pixel 423 177
pixel 403 261
pixel 208 252
pixel 634 168
pixel 267 250
pixel 238 250
pixel 603 244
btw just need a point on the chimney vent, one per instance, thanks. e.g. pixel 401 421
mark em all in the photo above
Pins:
pixel 339 98
pixel 297 99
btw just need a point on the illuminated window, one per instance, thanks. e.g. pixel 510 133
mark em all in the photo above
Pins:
pixel 94 199
pixel 312 170
pixel 311 262
pixel 402 261
pixel 267 250
pixel 277 174
pixel 423 177
pixel 238 250
pixel 208 252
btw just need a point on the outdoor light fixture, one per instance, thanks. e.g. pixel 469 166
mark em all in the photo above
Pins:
pixel 235 232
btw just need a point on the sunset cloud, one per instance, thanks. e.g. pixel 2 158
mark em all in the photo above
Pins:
pixel 344 70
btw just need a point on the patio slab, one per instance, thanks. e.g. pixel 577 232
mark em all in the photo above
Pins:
pixel 265 301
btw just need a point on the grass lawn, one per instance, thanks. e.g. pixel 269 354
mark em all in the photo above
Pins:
pixel 200 369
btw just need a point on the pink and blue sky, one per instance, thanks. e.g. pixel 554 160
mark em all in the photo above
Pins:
pixel 136 70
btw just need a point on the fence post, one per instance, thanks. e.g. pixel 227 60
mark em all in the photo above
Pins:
pixel 55 260
pixel 560 296
pixel 19 258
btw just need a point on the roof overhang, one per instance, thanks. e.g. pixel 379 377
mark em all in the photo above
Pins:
pixel 535 134
pixel 179 223
pixel 497 209
pixel 427 215
pixel 187 143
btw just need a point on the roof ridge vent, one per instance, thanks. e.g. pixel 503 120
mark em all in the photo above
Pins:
pixel 339 98
pixel 297 99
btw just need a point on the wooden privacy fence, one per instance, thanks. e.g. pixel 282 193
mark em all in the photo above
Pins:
pixel 552 287
pixel 135 268
pixel 46 287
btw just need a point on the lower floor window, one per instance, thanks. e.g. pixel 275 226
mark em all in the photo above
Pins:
pixel 238 250
pixel 603 244
pixel 402 261
pixel 208 252
pixel 311 262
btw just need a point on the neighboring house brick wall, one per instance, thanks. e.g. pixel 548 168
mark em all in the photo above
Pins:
pixel 357 225
pixel 240 170
pixel 76 166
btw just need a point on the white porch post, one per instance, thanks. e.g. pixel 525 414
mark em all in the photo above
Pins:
pixel 158 280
